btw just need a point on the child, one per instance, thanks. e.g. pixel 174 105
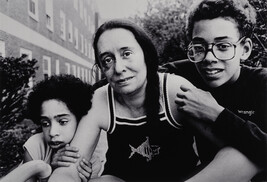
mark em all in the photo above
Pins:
pixel 230 96
pixel 57 104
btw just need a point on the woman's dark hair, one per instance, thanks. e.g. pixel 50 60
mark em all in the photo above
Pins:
pixel 152 105
pixel 75 93
pixel 239 10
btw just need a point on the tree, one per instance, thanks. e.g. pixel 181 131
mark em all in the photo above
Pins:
pixel 165 22
pixel 14 77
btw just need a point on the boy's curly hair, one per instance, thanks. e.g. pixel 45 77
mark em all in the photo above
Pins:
pixel 75 93
pixel 238 10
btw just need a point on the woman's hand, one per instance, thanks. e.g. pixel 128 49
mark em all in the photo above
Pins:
pixel 65 156
pixel 85 170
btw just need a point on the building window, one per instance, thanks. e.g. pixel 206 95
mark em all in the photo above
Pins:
pixel 76 38
pixel 82 74
pixel 74 70
pixel 57 67
pixel 89 51
pixel 81 8
pixel 82 43
pixel 49 14
pixel 85 16
pixel 85 47
pixel 46 66
pixel 75 4
pixel 89 23
pixel 2 48
pixel 62 25
pixel 33 9
pixel 86 75
pixel 78 72
pixel 67 65
pixel 70 32
pixel 90 75
pixel 26 52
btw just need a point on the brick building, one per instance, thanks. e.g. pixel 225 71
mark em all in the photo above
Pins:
pixel 57 33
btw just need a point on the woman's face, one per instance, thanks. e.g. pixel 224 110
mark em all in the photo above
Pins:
pixel 122 61
pixel 217 72
pixel 58 123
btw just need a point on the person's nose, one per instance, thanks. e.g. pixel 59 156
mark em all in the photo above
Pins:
pixel 119 65
pixel 210 57
pixel 54 130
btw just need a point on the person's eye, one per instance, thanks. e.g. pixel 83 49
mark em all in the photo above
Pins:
pixel 127 54
pixel 107 60
pixel 197 49
pixel 223 46
pixel 45 123
pixel 63 121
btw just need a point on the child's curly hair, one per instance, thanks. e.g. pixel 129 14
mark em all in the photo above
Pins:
pixel 75 93
pixel 238 10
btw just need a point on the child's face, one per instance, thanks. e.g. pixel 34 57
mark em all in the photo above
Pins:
pixel 217 72
pixel 58 123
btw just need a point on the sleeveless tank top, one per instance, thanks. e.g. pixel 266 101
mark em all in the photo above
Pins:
pixel 133 156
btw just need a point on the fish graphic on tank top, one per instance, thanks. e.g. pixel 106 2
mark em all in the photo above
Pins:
pixel 146 150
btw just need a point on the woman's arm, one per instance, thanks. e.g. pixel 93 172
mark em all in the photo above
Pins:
pixel 85 139
pixel 228 165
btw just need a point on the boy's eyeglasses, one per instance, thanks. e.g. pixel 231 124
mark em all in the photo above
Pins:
pixel 221 50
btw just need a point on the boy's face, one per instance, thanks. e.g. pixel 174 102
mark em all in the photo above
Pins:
pixel 58 123
pixel 216 72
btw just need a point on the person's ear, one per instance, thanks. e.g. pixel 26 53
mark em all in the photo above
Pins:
pixel 247 48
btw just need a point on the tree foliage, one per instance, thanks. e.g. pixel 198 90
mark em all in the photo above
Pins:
pixel 165 22
pixel 14 77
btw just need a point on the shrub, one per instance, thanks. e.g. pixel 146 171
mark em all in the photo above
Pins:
pixel 14 78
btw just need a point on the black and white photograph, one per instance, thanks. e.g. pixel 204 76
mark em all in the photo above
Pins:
pixel 133 91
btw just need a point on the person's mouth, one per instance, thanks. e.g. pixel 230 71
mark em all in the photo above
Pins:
pixel 211 72
pixel 124 80
pixel 56 144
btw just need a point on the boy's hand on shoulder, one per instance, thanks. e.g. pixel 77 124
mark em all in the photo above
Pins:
pixel 197 103
pixel 65 156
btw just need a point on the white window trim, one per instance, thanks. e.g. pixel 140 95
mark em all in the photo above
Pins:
pixel 78 72
pixel 48 71
pixel 86 75
pixel 82 43
pixel 27 52
pixel 85 16
pixel 57 67
pixel 3 48
pixel 75 4
pixel 81 8
pixel 76 38
pixel 70 31
pixel 67 68
pixel 62 25
pixel 74 71
pixel 36 15
pixel 49 12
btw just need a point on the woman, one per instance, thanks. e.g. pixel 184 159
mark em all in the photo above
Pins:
pixel 137 109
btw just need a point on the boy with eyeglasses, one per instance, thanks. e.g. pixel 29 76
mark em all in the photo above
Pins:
pixel 230 97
